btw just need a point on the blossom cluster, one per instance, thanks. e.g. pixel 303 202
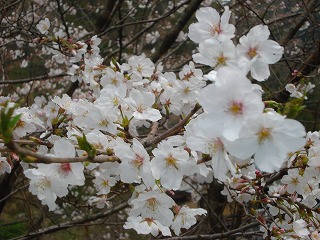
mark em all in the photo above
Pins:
pixel 232 136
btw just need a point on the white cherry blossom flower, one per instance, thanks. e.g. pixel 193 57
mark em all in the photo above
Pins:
pixel 170 164
pixel 185 218
pixel 47 187
pixel 101 119
pixel 300 228
pixel 43 26
pixel 100 202
pixel 230 108
pixel 4 166
pixel 315 235
pixel 146 226
pixel 141 104
pixel 139 65
pixel 216 54
pixel 255 52
pixel 270 137
pixel 135 162
pixel 204 135
pixel 70 173
pixel 210 25
pixel 294 181
pixel 111 77
pixel 103 182
pixel 155 205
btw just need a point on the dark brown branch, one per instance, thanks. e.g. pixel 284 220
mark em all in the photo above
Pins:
pixel 154 20
pixel 175 129
pixel 235 232
pixel 39 78
pixel 73 223
pixel 171 37
pixel 104 20
pixel 6 183
pixel 60 10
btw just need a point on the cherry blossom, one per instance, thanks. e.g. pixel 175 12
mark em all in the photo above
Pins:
pixel 135 162
pixel 255 52
pixel 185 218
pixel 270 137
pixel 211 25
pixel 146 226
pixel 170 164
pixel 4 166
pixel 155 205
pixel 141 104
pixel 216 54
pixel 43 26
pixel 230 108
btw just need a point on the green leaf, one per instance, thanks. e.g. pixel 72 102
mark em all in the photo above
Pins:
pixel 86 146
pixel 14 121
pixel 8 122
pixel 293 108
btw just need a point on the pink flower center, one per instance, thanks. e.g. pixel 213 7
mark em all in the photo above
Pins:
pixel 65 168
pixel 236 108
pixel 216 29
pixel 140 108
pixel 218 145
pixel 149 221
pixel 138 161
pixel 252 52
pixel 171 161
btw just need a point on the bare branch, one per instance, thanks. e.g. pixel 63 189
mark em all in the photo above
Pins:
pixel 73 223
pixel 175 129
pixel 235 232
pixel 171 37
pixel 38 158
pixel 38 78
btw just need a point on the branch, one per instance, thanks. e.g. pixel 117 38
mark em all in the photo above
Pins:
pixel 171 37
pixel 64 23
pixel 38 158
pixel 70 224
pixel 175 129
pixel 39 78
pixel 234 232
pixel 154 20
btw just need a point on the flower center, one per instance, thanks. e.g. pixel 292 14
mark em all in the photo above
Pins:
pixel 21 124
pixel 171 162
pixel 105 183
pixel 264 134
pixel 221 60
pixel 138 161
pixel 65 168
pixel 115 101
pixel 114 81
pixel 216 29
pixel 140 108
pixel 104 123
pixel 44 183
pixel 152 204
pixel 218 145
pixel 236 108
pixel 139 68
pixel 187 90
pixel 149 221
pixel 252 52
pixel 187 76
